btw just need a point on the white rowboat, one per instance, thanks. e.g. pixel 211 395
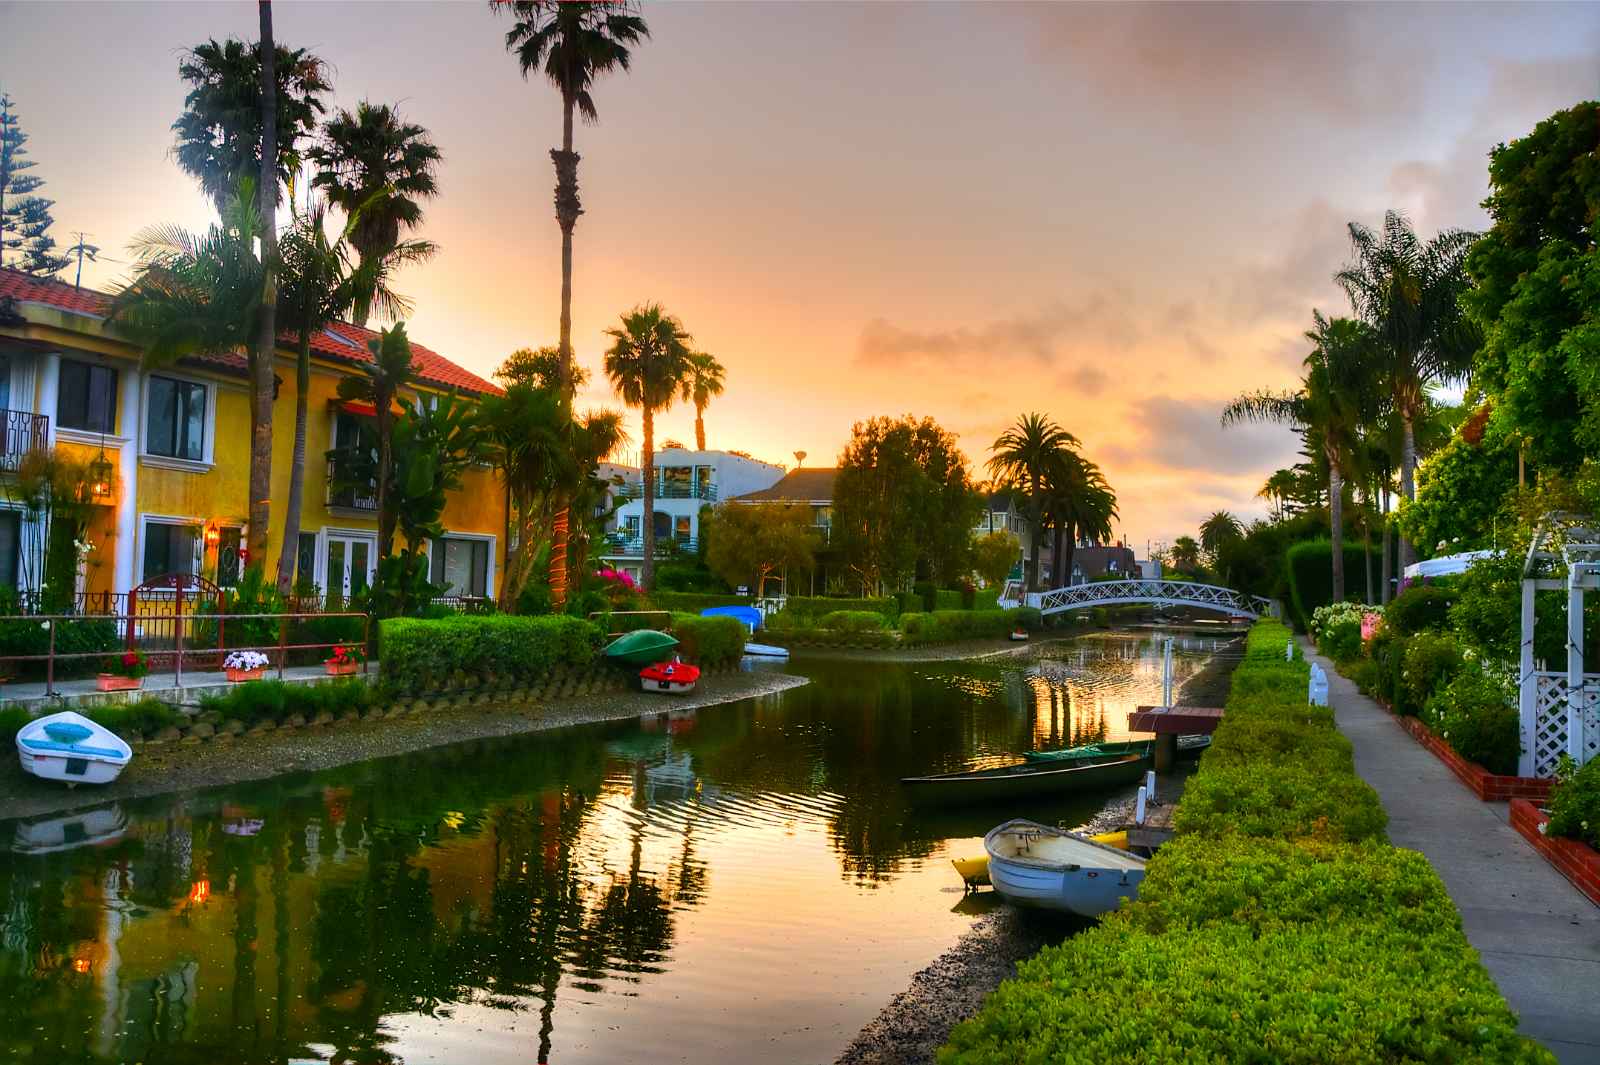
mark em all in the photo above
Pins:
pixel 71 748
pixel 1050 868
pixel 765 650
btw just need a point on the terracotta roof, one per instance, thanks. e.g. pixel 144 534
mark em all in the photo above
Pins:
pixel 341 341
pixel 797 486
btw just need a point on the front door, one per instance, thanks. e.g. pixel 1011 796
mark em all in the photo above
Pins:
pixel 350 562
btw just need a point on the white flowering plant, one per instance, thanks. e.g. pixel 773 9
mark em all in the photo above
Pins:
pixel 1337 629
pixel 245 660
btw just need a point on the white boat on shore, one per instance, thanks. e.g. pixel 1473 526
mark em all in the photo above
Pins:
pixel 765 650
pixel 1050 868
pixel 70 748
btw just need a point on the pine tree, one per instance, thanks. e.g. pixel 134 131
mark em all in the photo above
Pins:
pixel 25 219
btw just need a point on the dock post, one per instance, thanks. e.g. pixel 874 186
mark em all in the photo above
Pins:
pixel 1166 751
pixel 1150 784
pixel 1138 807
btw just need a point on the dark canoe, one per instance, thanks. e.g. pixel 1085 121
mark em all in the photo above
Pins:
pixel 640 648
pixel 1024 781
pixel 1188 747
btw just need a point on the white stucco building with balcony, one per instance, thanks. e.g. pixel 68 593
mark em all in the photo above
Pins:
pixel 685 482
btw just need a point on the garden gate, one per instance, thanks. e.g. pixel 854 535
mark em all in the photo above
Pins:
pixel 1559 712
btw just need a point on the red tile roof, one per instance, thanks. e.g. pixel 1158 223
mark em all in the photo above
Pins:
pixel 341 342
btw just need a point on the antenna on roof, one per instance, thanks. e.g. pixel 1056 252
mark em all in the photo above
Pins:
pixel 799 459
pixel 83 248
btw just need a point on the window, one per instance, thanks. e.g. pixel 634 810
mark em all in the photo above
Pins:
pixel 170 548
pixel 229 540
pixel 305 562
pixel 10 547
pixel 88 398
pixel 175 423
pixel 461 565
pixel 681 527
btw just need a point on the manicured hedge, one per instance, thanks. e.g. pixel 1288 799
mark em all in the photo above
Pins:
pixel 945 626
pixel 853 621
pixel 420 656
pixel 1278 926
pixel 814 606
pixel 1309 574
pixel 712 641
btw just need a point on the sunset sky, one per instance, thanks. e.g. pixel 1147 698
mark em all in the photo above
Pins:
pixel 1120 215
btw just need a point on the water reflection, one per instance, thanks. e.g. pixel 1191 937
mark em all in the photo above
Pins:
pixel 752 870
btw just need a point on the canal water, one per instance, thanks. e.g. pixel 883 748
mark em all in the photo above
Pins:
pixel 739 883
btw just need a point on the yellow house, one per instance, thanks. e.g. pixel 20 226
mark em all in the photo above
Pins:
pixel 170 449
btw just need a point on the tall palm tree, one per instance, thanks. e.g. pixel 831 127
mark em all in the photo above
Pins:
pixel 1333 404
pixel 1024 457
pixel 379 382
pixel 705 382
pixel 572 43
pixel 1408 291
pixel 376 168
pixel 261 375
pixel 1220 529
pixel 648 363
pixel 1081 506
pixel 323 281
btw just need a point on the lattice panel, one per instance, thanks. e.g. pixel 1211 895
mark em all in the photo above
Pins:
pixel 1550 720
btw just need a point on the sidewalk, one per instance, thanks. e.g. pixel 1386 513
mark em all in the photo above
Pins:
pixel 164 686
pixel 1538 936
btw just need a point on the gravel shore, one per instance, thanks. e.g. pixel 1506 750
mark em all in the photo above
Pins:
pixel 156 770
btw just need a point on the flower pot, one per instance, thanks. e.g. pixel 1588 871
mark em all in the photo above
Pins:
pixel 239 676
pixel 116 682
pixel 341 669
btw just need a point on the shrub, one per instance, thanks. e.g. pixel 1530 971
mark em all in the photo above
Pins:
pixel 1431 659
pixel 271 700
pixel 1282 802
pixel 132 719
pixel 1365 674
pixel 1420 608
pixel 1308 571
pixel 1574 802
pixel 1337 629
pixel 694 602
pixel 12 718
pixel 945 626
pixel 853 621
pixel 423 655
pixel 713 641
pixel 812 607
pixel 73 636
pixel 1474 714
pixel 1387 652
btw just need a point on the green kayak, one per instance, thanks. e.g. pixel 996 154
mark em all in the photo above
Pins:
pixel 1188 747
pixel 640 648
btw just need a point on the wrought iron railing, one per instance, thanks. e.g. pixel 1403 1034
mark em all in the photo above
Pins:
pixel 342 492
pixel 621 546
pixel 23 432
pixel 634 490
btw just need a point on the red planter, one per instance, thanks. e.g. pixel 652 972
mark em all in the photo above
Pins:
pixel 1578 862
pixel 116 682
pixel 239 676
pixel 341 669
pixel 1490 787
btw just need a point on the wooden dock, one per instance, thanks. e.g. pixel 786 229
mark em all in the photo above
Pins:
pixel 1170 722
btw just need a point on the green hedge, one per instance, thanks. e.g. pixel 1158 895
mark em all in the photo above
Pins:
pixel 73 636
pixel 807 637
pixel 815 606
pixel 1308 571
pixel 714 641
pixel 946 626
pixel 271 700
pixel 1278 926
pixel 853 621
pixel 694 602
pixel 131 719
pixel 421 656
pixel 1420 608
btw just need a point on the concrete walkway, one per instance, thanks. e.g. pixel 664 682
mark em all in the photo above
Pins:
pixel 83 691
pixel 1538 935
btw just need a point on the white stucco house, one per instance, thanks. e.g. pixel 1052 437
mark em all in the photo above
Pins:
pixel 685 482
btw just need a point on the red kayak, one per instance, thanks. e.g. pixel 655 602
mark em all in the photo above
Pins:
pixel 674 678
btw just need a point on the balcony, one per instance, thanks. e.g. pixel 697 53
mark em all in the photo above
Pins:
pixel 706 492
pixel 343 491
pixel 24 432
pixel 621 545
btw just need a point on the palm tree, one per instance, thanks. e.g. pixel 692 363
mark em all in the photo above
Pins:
pixel 1024 457
pixel 704 382
pixel 219 131
pixel 1408 291
pixel 572 43
pixel 375 167
pixel 1333 404
pixel 261 375
pixel 379 382
pixel 1185 554
pixel 322 283
pixel 648 363
pixel 1220 529
pixel 1081 506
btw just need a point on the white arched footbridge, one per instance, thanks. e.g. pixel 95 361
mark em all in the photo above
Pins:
pixel 1140 592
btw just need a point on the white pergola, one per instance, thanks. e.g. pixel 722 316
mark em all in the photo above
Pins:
pixel 1559 711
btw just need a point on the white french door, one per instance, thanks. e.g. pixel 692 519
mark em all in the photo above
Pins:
pixel 349 561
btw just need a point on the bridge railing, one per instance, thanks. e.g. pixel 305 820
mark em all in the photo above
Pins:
pixel 1155 592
